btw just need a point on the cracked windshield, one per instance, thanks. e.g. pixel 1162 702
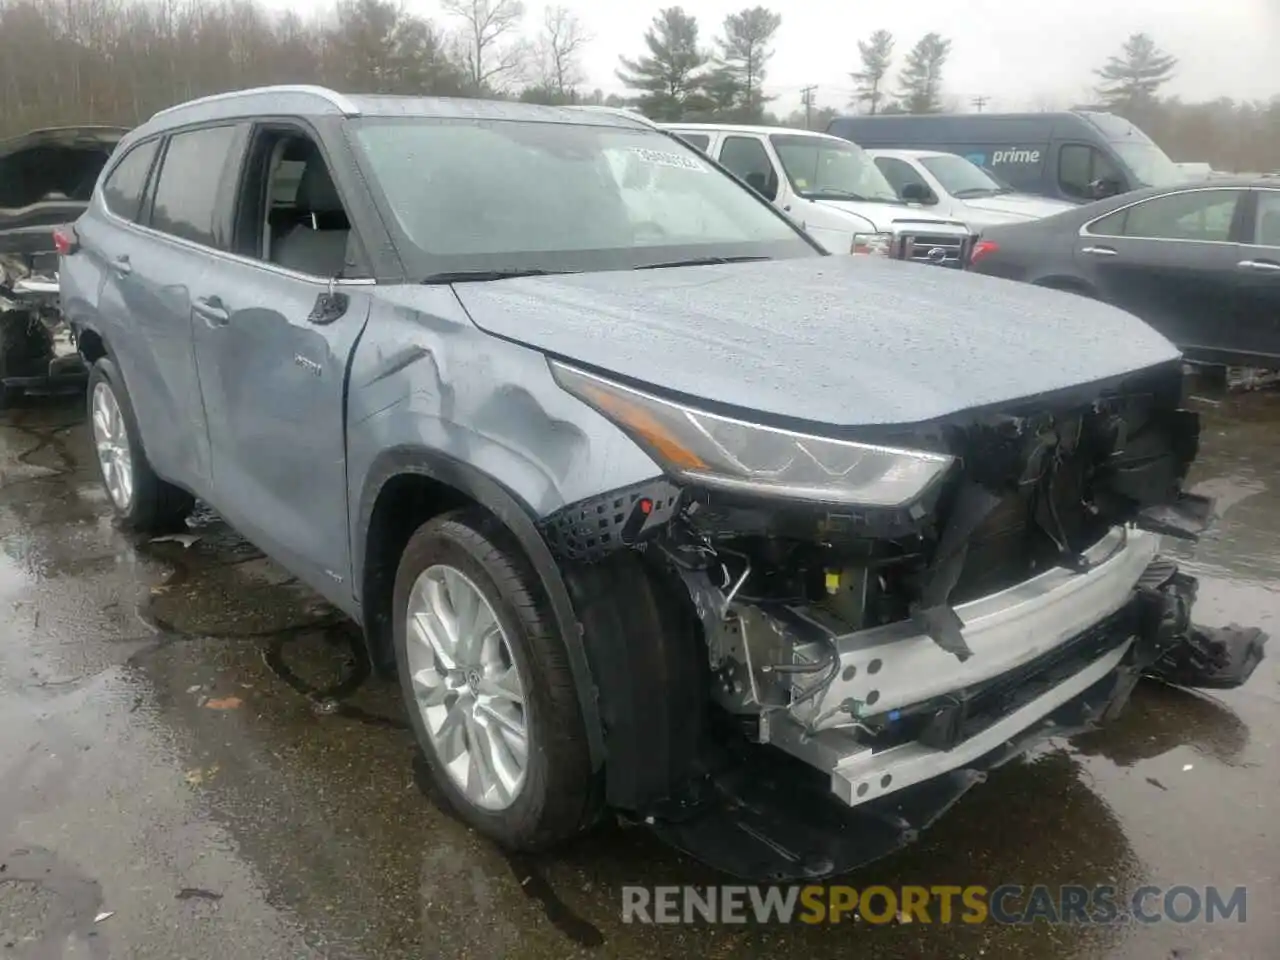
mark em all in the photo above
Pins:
pixel 538 480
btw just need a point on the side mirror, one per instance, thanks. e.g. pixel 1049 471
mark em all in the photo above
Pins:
pixel 1103 187
pixel 918 193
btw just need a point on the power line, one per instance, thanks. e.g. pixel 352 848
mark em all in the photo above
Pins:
pixel 979 102
pixel 806 97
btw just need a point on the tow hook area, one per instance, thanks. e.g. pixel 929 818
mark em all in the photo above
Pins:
pixel 766 816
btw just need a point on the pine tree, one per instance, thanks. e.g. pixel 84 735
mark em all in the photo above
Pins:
pixel 877 55
pixel 921 78
pixel 670 79
pixel 1134 77
pixel 745 50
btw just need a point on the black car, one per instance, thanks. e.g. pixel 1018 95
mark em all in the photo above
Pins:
pixel 1199 262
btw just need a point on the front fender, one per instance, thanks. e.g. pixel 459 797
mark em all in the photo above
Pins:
pixel 518 518
pixel 430 394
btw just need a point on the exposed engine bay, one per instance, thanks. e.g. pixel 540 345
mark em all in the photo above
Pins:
pixel 900 650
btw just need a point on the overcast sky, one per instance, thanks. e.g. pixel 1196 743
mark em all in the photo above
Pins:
pixel 1019 54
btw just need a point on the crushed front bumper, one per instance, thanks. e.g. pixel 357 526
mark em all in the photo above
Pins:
pixel 1057 634
pixel 1050 656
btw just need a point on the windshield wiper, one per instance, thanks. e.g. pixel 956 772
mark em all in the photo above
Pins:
pixel 978 192
pixel 697 262
pixel 483 276
pixel 832 194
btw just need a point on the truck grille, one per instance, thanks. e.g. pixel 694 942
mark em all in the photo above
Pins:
pixel 921 248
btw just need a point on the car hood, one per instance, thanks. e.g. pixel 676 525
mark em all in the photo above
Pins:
pixel 1017 207
pixel 51 183
pixel 846 341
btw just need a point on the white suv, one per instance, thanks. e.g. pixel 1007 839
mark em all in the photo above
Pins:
pixel 832 189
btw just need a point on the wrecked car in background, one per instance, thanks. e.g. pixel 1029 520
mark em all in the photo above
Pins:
pixel 773 550
pixel 46 178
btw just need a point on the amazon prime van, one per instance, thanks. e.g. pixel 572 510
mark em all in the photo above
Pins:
pixel 1077 156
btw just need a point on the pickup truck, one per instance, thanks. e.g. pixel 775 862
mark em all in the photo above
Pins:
pixel 953 186
pixel 831 188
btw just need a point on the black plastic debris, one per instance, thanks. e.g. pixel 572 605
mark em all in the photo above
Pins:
pixel 1212 658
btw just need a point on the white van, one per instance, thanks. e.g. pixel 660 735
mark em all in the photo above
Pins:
pixel 832 189
pixel 954 186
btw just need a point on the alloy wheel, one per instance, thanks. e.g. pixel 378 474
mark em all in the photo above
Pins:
pixel 111 438
pixel 467 687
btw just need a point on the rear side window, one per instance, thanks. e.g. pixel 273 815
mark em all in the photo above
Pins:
pixel 1203 215
pixel 186 196
pixel 123 188
pixel 1266 232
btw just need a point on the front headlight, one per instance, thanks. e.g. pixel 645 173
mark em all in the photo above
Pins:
pixel 873 244
pixel 716 451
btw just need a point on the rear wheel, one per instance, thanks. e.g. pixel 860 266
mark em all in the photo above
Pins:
pixel 141 499
pixel 485 676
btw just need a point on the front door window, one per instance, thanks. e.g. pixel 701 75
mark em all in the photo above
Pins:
pixel 748 160
pixel 1086 173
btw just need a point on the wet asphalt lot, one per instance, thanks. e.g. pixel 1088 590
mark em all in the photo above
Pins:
pixel 188 742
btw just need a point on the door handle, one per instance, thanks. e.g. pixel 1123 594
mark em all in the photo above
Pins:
pixel 1261 266
pixel 1099 251
pixel 213 310
pixel 122 266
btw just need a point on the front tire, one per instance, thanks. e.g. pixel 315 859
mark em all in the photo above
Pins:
pixel 485 677
pixel 142 500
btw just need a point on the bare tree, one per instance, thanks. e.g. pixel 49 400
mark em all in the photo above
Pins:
pixel 491 56
pixel 559 54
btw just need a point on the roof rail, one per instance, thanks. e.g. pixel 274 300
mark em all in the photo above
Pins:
pixel 616 111
pixel 333 98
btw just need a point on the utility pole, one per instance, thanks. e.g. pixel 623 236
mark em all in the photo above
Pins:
pixel 806 97
pixel 979 102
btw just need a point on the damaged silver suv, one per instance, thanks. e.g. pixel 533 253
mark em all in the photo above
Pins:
pixel 653 506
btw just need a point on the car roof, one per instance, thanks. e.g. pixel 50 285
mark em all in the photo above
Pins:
pixel 746 128
pixel 314 101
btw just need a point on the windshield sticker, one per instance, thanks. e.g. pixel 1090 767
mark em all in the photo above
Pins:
pixel 663 159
